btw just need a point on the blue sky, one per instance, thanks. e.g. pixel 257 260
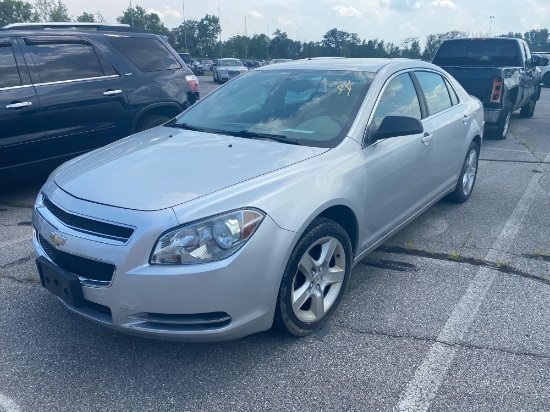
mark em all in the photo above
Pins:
pixel 309 20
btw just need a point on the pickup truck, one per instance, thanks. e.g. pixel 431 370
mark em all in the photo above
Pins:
pixel 499 71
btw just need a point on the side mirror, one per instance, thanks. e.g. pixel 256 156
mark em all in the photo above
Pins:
pixel 393 126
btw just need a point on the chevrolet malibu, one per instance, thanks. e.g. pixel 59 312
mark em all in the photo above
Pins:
pixel 251 208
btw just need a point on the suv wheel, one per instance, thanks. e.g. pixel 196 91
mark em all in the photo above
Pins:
pixel 529 109
pixel 148 122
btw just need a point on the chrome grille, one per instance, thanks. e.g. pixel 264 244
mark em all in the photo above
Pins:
pixel 89 226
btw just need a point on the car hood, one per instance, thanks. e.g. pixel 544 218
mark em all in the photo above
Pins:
pixel 164 167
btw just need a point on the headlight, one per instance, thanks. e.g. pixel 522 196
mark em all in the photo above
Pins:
pixel 208 240
pixel 223 71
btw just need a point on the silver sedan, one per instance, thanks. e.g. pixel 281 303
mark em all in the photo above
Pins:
pixel 251 208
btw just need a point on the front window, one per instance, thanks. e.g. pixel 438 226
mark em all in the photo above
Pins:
pixel 399 98
pixel 307 107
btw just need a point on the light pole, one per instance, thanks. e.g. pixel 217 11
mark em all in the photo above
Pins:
pixel 491 24
pixel 220 23
pixel 184 28
pixel 245 40
pixel 131 13
pixel 268 41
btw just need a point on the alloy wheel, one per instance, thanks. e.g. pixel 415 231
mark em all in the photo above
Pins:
pixel 318 279
pixel 469 177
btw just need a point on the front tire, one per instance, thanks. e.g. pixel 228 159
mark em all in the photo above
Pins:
pixel 468 175
pixel 315 278
pixel 529 109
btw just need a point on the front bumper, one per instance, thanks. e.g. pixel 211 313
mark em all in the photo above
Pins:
pixel 206 302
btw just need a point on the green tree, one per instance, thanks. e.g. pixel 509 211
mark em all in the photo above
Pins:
pixel 341 43
pixel 410 48
pixel 186 34
pixel 258 46
pixel 14 11
pixel 281 46
pixel 433 41
pixel 139 18
pixel 86 18
pixel 50 11
pixel 537 40
pixel 208 32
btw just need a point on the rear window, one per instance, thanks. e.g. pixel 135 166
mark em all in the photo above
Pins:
pixel 9 75
pixel 63 59
pixel 482 52
pixel 148 55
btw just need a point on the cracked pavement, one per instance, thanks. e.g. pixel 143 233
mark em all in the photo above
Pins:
pixel 392 324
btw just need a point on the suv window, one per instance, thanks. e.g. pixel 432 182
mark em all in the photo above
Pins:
pixel 63 59
pixel 9 75
pixel 398 98
pixel 148 55
pixel 435 91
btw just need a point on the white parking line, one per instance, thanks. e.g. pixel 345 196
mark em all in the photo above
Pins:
pixel 7 405
pixel 428 377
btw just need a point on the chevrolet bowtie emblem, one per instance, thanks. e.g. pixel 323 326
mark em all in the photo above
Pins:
pixel 57 239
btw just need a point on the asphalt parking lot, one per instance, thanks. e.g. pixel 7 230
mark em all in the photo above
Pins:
pixel 453 313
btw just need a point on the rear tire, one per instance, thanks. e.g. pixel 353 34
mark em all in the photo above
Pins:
pixel 151 121
pixel 467 177
pixel 503 123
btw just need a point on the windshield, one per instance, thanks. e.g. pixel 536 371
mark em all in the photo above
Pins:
pixel 478 52
pixel 230 63
pixel 307 107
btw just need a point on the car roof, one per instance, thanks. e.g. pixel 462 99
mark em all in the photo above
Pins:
pixel 354 64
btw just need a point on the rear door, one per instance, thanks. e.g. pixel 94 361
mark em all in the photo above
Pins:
pixel 83 99
pixel 22 145
pixel 530 83
pixel 449 121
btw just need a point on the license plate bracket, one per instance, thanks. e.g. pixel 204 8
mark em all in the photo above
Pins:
pixel 61 283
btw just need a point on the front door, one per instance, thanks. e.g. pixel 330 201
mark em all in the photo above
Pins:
pixel 396 170
pixel 22 145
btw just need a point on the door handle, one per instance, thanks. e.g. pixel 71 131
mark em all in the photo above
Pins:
pixel 18 105
pixel 427 138
pixel 112 92
pixel 466 118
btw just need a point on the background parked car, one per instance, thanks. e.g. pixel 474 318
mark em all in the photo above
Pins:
pixel 227 69
pixel 65 92
pixel 545 70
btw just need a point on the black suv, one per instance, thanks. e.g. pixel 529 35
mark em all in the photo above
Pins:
pixel 67 89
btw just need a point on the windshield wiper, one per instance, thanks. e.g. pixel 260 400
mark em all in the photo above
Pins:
pixel 247 134
pixel 185 126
